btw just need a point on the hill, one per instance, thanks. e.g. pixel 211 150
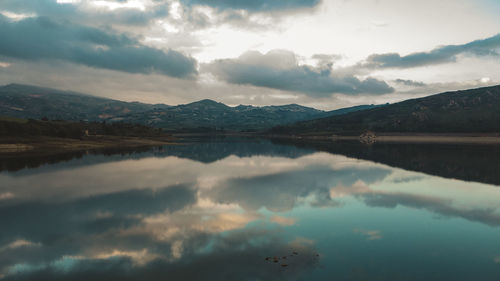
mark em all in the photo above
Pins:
pixel 24 101
pixel 466 111
pixel 10 127
pixel 210 115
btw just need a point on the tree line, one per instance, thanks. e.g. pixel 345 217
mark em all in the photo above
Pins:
pixel 75 130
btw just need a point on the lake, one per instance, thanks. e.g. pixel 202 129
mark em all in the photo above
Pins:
pixel 253 209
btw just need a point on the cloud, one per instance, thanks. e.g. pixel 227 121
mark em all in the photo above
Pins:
pixel 86 12
pixel 259 15
pixel 280 69
pixel 124 16
pixel 49 8
pixel 411 83
pixel 326 60
pixel 255 5
pixel 439 55
pixel 42 38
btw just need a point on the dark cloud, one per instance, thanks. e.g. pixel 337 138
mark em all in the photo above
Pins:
pixel 411 83
pixel 280 70
pixel 75 13
pixel 255 5
pixel 444 54
pixel 326 59
pixel 48 8
pixel 42 38
pixel 240 15
pixel 125 16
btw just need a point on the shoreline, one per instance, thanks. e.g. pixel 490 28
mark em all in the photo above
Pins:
pixel 16 146
pixel 429 139
pixel 478 138
pixel 444 138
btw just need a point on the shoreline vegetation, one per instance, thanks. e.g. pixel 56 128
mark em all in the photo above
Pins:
pixel 44 137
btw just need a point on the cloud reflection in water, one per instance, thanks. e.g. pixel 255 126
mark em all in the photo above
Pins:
pixel 152 217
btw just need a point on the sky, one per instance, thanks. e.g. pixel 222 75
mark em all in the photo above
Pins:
pixel 325 54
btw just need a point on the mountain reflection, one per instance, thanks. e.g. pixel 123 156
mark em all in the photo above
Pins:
pixel 195 149
pixel 142 216
pixel 461 161
pixel 470 162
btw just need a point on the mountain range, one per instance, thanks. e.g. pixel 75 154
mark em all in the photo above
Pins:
pixel 466 111
pixel 24 101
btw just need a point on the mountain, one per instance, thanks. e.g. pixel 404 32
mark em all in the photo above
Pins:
pixel 466 111
pixel 346 110
pixel 24 101
pixel 210 115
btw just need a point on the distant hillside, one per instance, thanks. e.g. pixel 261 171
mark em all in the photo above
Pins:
pixel 467 111
pixel 210 115
pixel 24 101
pixel 11 127
pixel 346 110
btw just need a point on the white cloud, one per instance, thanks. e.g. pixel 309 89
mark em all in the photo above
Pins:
pixel 16 16
pixel 113 5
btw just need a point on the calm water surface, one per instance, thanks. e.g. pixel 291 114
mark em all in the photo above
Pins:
pixel 253 210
